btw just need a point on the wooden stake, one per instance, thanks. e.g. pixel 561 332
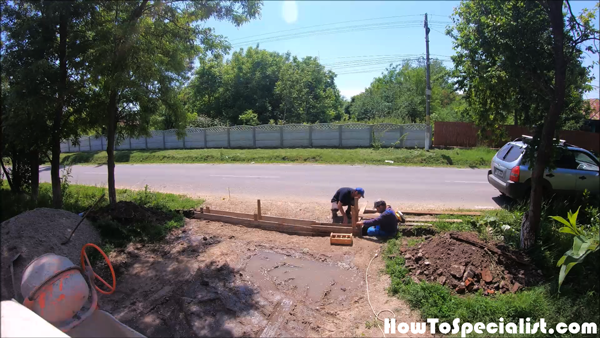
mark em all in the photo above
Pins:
pixel 355 214
pixel 258 209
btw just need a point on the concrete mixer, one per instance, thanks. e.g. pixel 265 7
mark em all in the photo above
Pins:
pixel 61 300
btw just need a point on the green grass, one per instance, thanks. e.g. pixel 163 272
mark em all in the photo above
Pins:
pixel 579 300
pixel 463 158
pixel 79 198
pixel 437 301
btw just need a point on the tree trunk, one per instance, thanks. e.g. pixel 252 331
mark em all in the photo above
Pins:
pixel 8 179
pixel 110 146
pixel 58 112
pixel 531 222
pixel 34 162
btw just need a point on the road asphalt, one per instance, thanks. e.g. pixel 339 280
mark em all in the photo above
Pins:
pixel 415 186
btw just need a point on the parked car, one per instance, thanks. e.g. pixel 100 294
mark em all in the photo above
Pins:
pixel 576 170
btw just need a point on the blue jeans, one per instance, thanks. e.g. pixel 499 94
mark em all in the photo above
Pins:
pixel 377 232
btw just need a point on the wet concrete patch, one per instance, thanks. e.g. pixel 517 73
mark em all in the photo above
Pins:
pixel 306 280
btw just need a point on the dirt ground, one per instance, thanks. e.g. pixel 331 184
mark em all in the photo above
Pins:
pixel 465 263
pixel 215 279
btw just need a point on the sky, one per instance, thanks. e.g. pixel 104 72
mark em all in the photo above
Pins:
pixel 356 39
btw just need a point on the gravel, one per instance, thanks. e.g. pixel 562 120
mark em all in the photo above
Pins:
pixel 38 232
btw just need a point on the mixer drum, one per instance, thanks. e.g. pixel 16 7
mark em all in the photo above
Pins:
pixel 54 288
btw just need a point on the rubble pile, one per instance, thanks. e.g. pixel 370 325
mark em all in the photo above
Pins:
pixel 466 264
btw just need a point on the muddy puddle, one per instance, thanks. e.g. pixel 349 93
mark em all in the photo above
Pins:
pixel 307 280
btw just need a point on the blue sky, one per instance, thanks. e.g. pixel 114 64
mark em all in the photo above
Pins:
pixel 356 39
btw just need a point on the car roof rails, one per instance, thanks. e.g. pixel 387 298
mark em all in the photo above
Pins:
pixel 529 138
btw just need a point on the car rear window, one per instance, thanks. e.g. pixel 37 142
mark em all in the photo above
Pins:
pixel 512 154
pixel 502 152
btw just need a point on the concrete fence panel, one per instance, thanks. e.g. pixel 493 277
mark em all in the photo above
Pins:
pixel 138 143
pixel 241 137
pixel 171 141
pixel 296 136
pixel 326 135
pixel 356 135
pixel 195 138
pixel 98 143
pixel 155 140
pixel 216 137
pixel 268 136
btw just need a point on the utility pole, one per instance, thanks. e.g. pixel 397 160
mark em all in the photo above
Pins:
pixel 428 88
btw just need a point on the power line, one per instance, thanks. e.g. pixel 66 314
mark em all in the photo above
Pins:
pixel 328 24
pixel 329 31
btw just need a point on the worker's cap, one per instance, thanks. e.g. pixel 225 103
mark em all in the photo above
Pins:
pixel 361 191
pixel 379 203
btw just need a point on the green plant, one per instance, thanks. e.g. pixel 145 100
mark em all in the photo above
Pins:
pixel 64 182
pixel 376 141
pixel 584 243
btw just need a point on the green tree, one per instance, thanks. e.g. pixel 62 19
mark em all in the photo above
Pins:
pixel 41 62
pixel 274 86
pixel 399 94
pixel 518 58
pixel 143 57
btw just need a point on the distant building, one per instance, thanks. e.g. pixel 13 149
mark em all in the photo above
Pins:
pixel 593 122
pixel 595 103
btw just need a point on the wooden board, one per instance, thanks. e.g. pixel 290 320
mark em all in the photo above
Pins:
pixel 362 210
pixel 315 230
pixel 429 219
pixel 340 239
pixel 277 318
pixel 463 213
pixel 288 220
pixel 260 217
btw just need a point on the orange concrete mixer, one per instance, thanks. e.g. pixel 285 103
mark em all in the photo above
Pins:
pixel 62 293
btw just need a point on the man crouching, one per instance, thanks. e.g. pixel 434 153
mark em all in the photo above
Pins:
pixel 386 225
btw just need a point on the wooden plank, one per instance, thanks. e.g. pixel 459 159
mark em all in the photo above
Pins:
pixel 275 226
pixel 289 229
pixel 362 210
pixel 416 223
pixel 429 219
pixel 277 318
pixel 288 220
pixel 230 213
pixel 355 215
pixel 463 213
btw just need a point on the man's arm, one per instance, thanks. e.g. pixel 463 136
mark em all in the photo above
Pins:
pixel 372 222
pixel 341 209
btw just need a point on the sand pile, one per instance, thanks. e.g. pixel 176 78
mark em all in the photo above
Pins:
pixel 38 232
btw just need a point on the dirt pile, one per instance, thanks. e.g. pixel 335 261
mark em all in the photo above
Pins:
pixel 127 213
pixel 464 263
pixel 38 232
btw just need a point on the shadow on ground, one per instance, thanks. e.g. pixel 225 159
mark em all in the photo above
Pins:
pixel 164 296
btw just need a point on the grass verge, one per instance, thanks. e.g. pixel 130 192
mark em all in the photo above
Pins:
pixel 78 198
pixel 463 158
pixel 579 300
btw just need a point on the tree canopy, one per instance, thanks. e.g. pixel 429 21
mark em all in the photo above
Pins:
pixel 276 87
pixel 399 94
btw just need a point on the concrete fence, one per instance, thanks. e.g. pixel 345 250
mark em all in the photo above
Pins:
pixel 268 136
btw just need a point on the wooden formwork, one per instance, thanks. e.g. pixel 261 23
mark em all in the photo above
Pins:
pixel 307 227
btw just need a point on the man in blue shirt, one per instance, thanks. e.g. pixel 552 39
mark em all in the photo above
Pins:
pixel 386 225
pixel 342 198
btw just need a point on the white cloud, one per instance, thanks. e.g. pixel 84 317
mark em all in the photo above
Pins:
pixel 290 11
pixel 348 93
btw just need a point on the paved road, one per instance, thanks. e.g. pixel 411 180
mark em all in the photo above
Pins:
pixel 436 187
